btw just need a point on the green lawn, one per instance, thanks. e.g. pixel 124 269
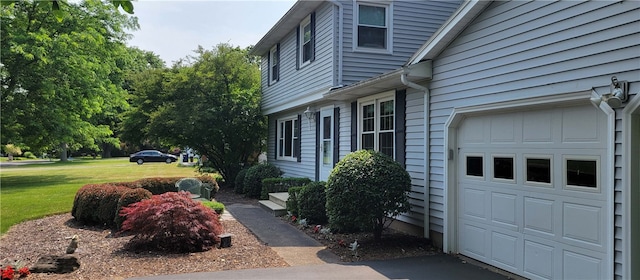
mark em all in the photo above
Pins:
pixel 34 191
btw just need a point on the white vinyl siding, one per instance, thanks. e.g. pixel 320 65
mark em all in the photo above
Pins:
pixel 517 50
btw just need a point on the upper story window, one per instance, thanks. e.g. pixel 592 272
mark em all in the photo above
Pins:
pixel 373 27
pixel 306 41
pixel 274 63
pixel 288 138
pixel 376 124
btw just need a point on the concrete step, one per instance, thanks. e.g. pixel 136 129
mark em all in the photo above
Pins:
pixel 272 207
pixel 279 198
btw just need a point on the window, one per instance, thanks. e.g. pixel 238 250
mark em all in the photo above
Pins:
pixel 306 37
pixel 274 63
pixel 288 138
pixel 581 172
pixel 377 121
pixel 475 166
pixel 538 170
pixel 503 167
pixel 372 27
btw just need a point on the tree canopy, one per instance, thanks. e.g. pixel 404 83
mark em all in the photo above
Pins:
pixel 209 102
pixel 57 78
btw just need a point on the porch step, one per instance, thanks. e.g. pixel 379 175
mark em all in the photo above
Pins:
pixel 274 208
pixel 279 198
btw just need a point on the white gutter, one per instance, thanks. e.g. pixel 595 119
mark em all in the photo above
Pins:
pixel 340 39
pixel 403 78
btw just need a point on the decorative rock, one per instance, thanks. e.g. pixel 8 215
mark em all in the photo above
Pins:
pixel 55 264
pixel 225 240
pixel 73 245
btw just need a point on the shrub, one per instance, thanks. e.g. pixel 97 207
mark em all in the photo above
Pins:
pixel 159 185
pixel 29 155
pixel 270 185
pixel 255 175
pixel 171 222
pixel 238 186
pixel 216 206
pixel 97 203
pixel 311 203
pixel 364 189
pixel 129 197
pixel 11 149
pixel 292 202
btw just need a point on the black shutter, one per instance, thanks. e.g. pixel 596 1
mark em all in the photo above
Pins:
pixel 299 144
pixel 400 125
pixel 336 135
pixel 279 61
pixel 313 36
pixel 298 47
pixel 354 126
pixel 275 132
pixel 269 68
pixel 317 164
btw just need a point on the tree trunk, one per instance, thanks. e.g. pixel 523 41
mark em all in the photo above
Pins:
pixel 63 152
pixel 106 150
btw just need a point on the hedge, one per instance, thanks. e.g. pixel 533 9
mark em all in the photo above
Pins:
pixel 270 185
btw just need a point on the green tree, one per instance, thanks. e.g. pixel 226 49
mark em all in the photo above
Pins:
pixel 365 191
pixel 57 76
pixel 209 102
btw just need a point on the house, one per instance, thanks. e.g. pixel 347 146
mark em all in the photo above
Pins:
pixel 520 124
pixel 315 54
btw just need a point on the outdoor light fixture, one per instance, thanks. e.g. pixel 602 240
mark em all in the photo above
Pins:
pixel 311 115
pixel 618 95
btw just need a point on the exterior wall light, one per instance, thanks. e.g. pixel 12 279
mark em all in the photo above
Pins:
pixel 311 115
pixel 618 95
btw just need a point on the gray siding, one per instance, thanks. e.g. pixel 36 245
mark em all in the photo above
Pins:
pixel 517 50
pixel 415 157
pixel 413 23
pixel 298 83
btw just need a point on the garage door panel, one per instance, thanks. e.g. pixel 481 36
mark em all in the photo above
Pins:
pixel 504 210
pixel 503 130
pixel 581 266
pixel 474 244
pixel 538 128
pixel 581 125
pixel 538 215
pixel 506 249
pixel 583 223
pixel 474 203
pixel 539 259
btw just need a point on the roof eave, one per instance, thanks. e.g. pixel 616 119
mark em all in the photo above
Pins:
pixel 456 23
pixel 288 22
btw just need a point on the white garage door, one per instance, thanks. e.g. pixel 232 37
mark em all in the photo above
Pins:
pixel 532 196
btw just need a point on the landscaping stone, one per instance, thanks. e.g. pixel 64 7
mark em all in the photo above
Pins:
pixel 56 264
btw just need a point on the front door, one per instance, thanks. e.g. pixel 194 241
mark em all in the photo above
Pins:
pixel 326 143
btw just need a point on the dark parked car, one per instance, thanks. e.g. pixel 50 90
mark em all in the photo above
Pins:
pixel 151 156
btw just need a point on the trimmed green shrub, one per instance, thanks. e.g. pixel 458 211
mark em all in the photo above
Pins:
pixel 159 185
pixel 238 186
pixel 365 191
pixel 171 222
pixel 29 155
pixel 255 175
pixel 270 185
pixel 216 206
pixel 129 197
pixel 311 203
pixel 292 202
pixel 97 203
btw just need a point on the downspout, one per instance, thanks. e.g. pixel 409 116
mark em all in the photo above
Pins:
pixel 403 79
pixel 340 39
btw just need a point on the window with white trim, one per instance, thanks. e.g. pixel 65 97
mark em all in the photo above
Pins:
pixel 274 61
pixel 306 44
pixel 372 26
pixel 377 124
pixel 288 138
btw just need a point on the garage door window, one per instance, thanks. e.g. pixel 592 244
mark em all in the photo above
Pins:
pixel 503 168
pixel 581 173
pixel 538 170
pixel 475 166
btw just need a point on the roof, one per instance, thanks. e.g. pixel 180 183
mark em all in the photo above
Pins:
pixel 288 22
pixel 458 21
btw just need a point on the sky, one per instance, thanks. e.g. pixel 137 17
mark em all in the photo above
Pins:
pixel 172 29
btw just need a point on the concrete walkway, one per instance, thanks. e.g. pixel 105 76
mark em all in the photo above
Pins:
pixel 310 260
